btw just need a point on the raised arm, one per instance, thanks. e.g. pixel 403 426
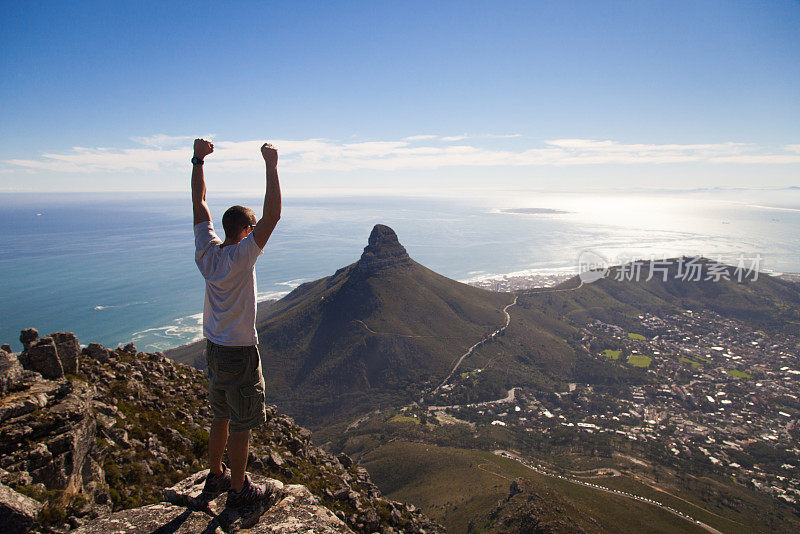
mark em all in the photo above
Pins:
pixel 272 199
pixel 202 148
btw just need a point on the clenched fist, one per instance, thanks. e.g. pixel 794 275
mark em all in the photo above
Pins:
pixel 202 148
pixel 270 154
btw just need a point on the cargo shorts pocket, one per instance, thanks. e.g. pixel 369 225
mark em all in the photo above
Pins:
pixel 252 395
pixel 252 411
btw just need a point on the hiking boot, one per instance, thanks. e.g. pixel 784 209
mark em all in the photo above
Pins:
pixel 216 484
pixel 250 494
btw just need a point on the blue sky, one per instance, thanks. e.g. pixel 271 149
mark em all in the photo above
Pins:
pixel 368 96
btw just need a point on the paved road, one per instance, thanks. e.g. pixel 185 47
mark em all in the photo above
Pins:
pixel 479 343
pixel 510 397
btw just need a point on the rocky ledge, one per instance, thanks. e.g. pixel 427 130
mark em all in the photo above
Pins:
pixel 90 437
pixel 288 509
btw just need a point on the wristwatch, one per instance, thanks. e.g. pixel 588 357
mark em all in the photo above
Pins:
pixel 197 161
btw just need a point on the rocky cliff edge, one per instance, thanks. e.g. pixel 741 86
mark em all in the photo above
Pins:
pixel 91 437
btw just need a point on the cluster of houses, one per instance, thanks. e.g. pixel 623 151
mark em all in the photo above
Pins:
pixel 716 392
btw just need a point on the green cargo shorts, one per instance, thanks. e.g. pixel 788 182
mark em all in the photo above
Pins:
pixel 236 385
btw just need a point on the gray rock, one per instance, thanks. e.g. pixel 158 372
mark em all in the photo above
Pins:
pixel 58 439
pixel 28 337
pixel 68 348
pixel 299 511
pixel 97 352
pixel 43 358
pixel 288 510
pixel 6 347
pixel 275 459
pixel 130 348
pixel 17 511
pixel 10 372
pixel 160 517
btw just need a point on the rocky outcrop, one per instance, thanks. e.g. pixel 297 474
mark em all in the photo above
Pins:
pixel 288 509
pixel 42 357
pixel 530 508
pixel 10 372
pixel 98 352
pixel 383 250
pixel 17 512
pixel 68 348
pixel 28 337
pixel 55 420
pixel 102 444
pixel 51 356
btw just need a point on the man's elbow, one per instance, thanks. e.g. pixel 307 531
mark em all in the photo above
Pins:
pixel 274 217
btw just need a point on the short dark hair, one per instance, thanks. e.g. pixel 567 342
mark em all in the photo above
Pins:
pixel 236 218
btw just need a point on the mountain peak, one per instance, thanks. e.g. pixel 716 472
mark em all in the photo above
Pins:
pixel 382 250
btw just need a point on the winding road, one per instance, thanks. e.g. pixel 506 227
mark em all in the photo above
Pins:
pixel 620 493
pixel 510 397
pixel 478 344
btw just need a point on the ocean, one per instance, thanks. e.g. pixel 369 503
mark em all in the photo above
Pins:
pixel 115 268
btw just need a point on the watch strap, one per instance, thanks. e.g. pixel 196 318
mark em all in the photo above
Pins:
pixel 197 161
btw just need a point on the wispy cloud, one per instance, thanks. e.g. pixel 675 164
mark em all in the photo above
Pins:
pixel 164 141
pixel 792 148
pixel 162 152
pixel 479 136
pixel 421 137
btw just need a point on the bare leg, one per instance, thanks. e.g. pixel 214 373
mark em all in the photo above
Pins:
pixel 217 439
pixel 237 454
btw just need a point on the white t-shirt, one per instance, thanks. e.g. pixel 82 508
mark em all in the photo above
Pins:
pixel 229 312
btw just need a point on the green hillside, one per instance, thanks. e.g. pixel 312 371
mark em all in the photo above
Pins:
pixel 461 487
pixel 375 333
pixel 465 490
pixel 770 303
pixel 352 342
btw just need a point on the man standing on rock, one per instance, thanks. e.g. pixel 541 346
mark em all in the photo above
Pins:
pixel 236 385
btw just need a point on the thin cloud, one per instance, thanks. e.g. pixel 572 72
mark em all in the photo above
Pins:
pixel 162 153
pixel 164 141
pixel 479 136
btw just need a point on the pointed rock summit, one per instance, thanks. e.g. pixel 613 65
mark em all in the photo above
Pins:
pixel 383 250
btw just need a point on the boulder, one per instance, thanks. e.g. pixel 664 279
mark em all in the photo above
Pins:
pixel 299 511
pixel 10 372
pixel 28 337
pixel 6 347
pixel 75 437
pixel 43 358
pixel 17 512
pixel 68 348
pixel 159 517
pixel 98 352
pixel 130 348
pixel 55 422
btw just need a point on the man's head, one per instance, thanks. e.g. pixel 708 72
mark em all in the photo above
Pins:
pixel 237 223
